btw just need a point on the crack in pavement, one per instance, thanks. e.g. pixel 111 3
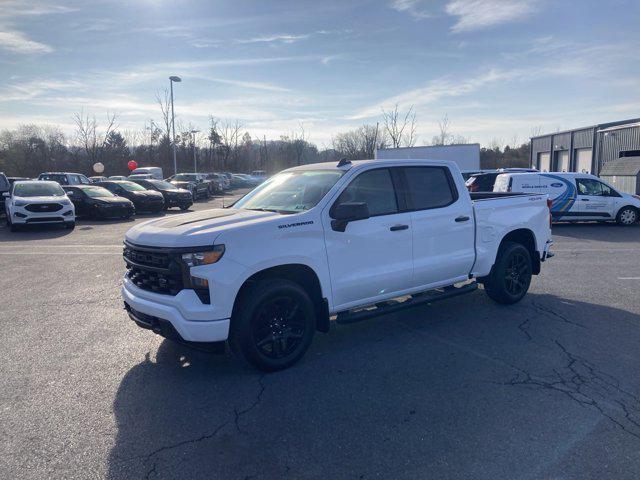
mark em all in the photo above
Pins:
pixel 551 313
pixel 581 381
pixel 258 399
pixel 217 429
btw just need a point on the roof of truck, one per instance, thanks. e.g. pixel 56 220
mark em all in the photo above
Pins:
pixel 355 163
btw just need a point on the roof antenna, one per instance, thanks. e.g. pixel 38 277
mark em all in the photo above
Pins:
pixel 343 162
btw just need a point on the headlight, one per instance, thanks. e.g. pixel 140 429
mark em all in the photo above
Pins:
pixel 19 203
pixel 196 259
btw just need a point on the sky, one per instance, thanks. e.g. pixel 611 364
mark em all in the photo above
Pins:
pixel 498 69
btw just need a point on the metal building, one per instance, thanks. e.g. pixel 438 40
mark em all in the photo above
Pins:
pixel 586 149
pixel 623 173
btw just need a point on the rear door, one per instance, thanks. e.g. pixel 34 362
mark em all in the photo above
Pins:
pixel 594 201
pixel 372 258
pixel 442 224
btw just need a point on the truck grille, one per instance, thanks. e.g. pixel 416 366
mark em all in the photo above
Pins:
pixel 43 207
pixel 153 269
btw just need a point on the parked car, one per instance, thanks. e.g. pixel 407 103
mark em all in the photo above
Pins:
pixel 155 172
pixel 11 180
pixel 5 186
pixel 140 176
pixel 64 178
pixel 117 177
pixel 98 202
pixel 575 196
pixel 33 202
pixel 259 176
pixel 216 182
pixel 194 182
pixel 483 181
pixel 143 199
pixel 326 239
pixel 173 196
pixel 97 178
pixel 239 180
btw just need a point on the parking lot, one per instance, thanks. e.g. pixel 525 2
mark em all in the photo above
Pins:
pixel 463 388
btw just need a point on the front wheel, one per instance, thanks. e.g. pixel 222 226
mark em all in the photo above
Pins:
pixel 274 324
pixel 510 276
pixel 70 226
pixel 627 216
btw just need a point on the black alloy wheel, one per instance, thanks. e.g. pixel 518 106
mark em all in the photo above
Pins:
pixel 273 324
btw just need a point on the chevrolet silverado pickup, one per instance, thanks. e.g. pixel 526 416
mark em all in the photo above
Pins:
pixel 345 240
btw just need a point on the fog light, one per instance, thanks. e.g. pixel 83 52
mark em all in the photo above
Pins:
pixel 19 215
pixel 67 213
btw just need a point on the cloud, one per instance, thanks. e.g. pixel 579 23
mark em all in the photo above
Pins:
pixel 17 42
pixel 479 14
pixel 412 7
pixel 445 87
pixel 284 38
pixel 15 8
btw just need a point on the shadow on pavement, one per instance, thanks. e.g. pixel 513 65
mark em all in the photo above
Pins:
pixel 457 389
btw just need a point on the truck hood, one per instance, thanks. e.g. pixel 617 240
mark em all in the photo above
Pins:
pixel 194 229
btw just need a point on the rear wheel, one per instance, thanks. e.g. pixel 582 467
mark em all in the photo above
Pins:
pixel 274 324
pixel 510 276
pixel 627 216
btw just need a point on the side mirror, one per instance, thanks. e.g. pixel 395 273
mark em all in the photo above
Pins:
pixel 6 194
pixel 348 212
pixel 69 192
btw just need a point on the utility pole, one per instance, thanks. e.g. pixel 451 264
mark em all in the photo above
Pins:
pixel 172 79
pixel 195 163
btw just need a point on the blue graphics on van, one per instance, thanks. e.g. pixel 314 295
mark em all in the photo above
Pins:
pixel 564 202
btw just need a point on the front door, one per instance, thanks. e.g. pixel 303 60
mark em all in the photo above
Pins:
pixel 594 199
pixel 372 258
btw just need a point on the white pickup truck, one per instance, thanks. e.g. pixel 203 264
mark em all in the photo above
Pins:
pixel 347 239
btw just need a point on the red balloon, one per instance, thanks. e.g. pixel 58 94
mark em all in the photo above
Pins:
pixel 132 165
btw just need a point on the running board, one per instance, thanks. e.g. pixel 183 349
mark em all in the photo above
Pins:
pixel 390 306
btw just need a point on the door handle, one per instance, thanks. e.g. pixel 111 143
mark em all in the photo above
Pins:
pixel 462 218
pixel 396 228
pixel 584 199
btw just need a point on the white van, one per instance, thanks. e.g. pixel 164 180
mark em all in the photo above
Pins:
pixel 155 172
pixel 575 196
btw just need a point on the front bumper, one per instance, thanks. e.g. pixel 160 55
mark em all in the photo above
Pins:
pixel 185 312
pixel 22 216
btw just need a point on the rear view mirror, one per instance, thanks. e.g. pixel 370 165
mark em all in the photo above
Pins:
pixel 6 194
pixel 348 212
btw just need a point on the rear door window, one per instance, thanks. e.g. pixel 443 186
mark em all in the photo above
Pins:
pixel 429 187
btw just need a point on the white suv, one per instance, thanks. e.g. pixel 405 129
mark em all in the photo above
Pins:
pixel 36 201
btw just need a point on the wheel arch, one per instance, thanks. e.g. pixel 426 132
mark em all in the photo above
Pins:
pixel 527 239
pixel 299 273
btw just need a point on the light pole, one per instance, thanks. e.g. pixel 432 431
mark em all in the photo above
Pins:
pixel 172 79
pixel 195 164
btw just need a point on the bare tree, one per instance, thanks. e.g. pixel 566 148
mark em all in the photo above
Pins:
pixel 229 135
pixel 360 143
pixel 535 131
pixel 443 137
pixel 163 98
pixel 89 135
pixel 401 128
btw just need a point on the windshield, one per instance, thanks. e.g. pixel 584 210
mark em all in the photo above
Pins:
pixel 162 185
pixel 38 189
pixel 291 192
pixel 185 177
pixel 132 187
pixel 96 192
pixel 54 177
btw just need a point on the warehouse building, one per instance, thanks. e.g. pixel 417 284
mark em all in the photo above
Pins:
pixel 586 149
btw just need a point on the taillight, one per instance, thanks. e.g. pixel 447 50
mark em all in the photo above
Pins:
pixel 549 205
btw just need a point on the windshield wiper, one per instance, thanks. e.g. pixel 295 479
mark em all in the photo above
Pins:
pixel 282 212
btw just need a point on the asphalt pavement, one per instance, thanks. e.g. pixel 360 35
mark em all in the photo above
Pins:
pixel 460 389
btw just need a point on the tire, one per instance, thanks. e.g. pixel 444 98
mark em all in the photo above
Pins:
pixel 510 276
pixel 184 207
pixel 273 324
pixel 70 226
pixel 627 216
